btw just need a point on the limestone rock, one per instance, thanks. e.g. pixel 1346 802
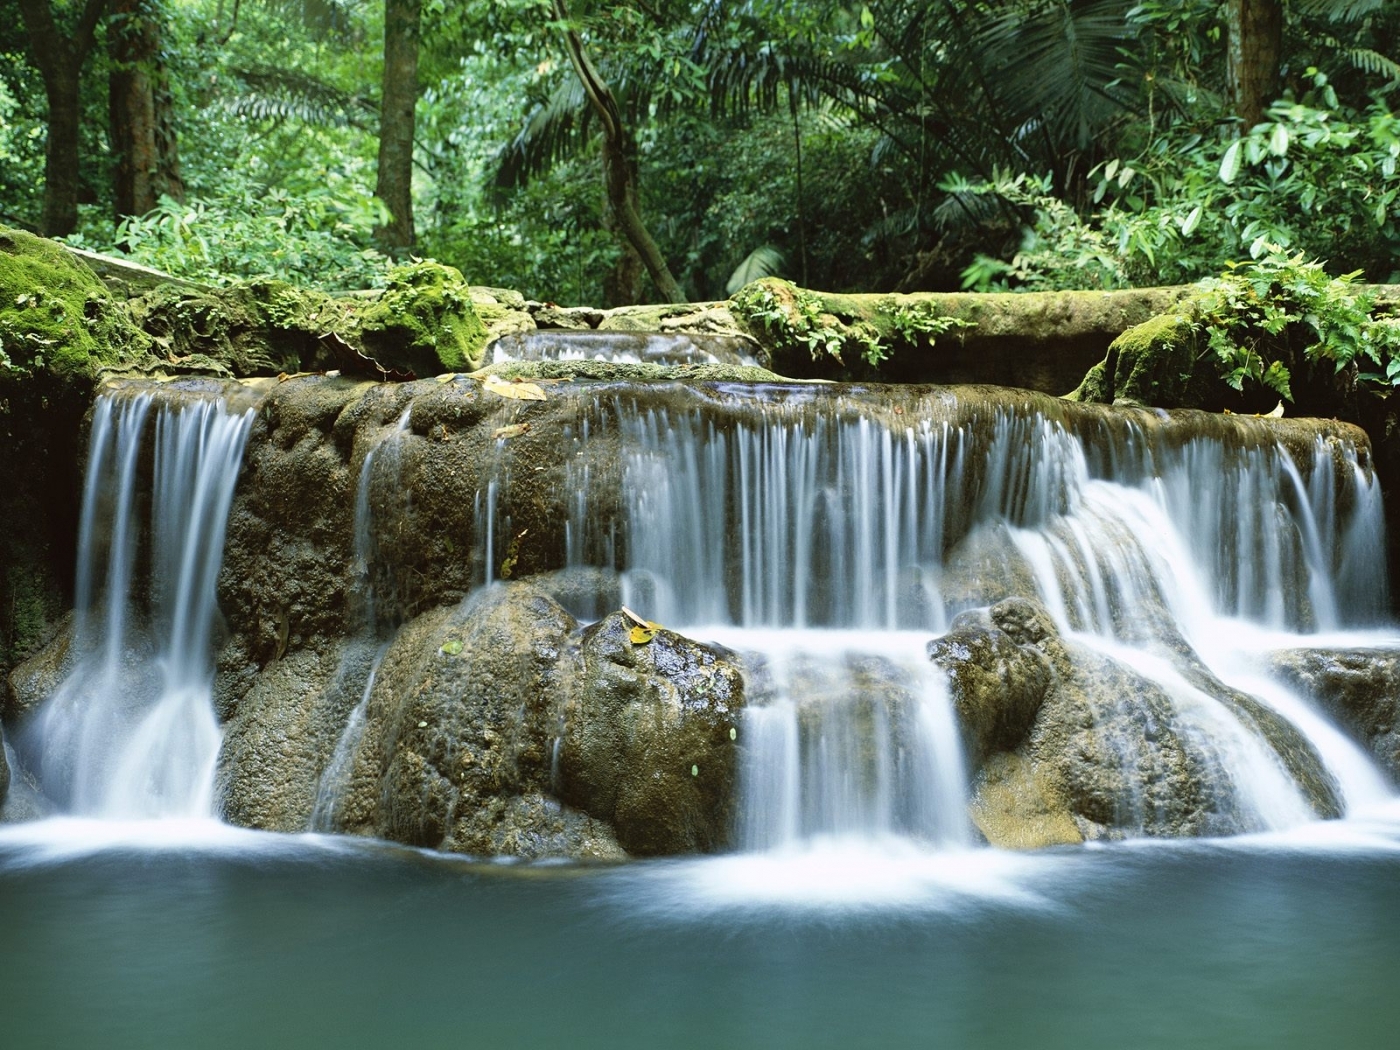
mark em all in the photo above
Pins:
pixel 457 747
pixel 34 680
pixel 283 733
pixel 1063 736
pixel 998 683
pixel 1360 688
pixel 649 738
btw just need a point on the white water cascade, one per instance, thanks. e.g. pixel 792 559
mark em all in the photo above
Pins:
pixel 817 534
pixel 130 732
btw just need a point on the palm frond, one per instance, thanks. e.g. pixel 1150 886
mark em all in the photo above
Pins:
pixel 555 128
pixel 764 261
pixel 1337 10
pixel 285 94
pixel 1052 67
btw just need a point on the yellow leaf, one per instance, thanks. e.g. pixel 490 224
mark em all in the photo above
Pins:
pixel 515 430
pixel 642 635
pixel 447 377
pixel 517 391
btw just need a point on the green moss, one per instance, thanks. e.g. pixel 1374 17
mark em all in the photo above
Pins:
pixel 424 322
pixel 1152 363
pixel 56 317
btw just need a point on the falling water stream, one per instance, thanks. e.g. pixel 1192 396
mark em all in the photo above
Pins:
pixel 131 730
pixel 828 541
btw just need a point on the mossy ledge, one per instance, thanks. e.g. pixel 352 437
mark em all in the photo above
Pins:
pixel 1038 340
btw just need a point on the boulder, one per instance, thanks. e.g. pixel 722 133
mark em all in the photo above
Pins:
pixel 1068 743
pixel 1360 688
pixel 457 750
pixel 648 740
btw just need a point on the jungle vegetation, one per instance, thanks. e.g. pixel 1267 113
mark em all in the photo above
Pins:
pixel 584 151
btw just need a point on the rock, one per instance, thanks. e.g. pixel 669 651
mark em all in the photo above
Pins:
pixel 457 752
pixel 4 770
pixel 648 738
pixel 424 322
pixel 998 682
pixel 1360 688
pixel 1062 736
pixel 283 733
pixel 34 681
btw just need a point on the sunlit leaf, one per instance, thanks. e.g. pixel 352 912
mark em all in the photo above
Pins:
pixel 517 391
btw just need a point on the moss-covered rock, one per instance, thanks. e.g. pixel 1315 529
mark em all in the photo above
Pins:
pixel 424 322
pixel 56 317
pixel 1038 340
pixel 1153 363
pixel 649 738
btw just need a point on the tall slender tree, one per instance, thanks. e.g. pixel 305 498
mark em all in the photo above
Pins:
pixel 60 57
pixel 394 183
pixel 141 109
pixel 1255 42
pixel 619 159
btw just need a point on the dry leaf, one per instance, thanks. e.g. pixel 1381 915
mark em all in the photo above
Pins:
pixel 512 431
pixel 518 391
pixel 641 635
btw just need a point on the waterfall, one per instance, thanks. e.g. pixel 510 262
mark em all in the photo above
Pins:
pixel 130 732
pixel 815 533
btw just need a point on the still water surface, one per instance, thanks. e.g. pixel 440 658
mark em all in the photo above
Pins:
pixel 199 936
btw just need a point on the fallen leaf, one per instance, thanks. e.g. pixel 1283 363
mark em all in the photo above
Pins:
pixel 451 647
pixel 512 431
pixel 641 635
pixel 517 391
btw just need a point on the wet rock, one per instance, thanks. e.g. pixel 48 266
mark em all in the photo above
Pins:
pixel 34 681
pixel 649 738
pixel 984 568
pixel 1360 688
pixel 280 739
pixel 457 746
pixel 998 682
pixel 1062 736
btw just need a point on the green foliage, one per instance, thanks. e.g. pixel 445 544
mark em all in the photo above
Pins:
pixel 1316 180
pixel 920 320
pixel 1255 316
pixel 320 237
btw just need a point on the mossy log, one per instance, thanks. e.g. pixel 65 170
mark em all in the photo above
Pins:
pixel 1038 340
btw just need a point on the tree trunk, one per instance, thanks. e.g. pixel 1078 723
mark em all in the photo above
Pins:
pixel 142 111
pixel 1255 52
pixel 619 163
pixel 394 185
pixel 60 60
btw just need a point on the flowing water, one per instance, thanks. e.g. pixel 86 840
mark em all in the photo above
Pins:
pixel 825 540
pixel 829 545
pixel 131 731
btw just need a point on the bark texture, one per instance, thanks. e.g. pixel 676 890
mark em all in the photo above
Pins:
pixel 394 185
pixel 142 111
pixel 60 59
pixel 1255 51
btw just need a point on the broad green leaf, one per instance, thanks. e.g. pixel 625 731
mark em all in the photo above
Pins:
pixel 1230 164
pixel 1191 221
pixel 1278 141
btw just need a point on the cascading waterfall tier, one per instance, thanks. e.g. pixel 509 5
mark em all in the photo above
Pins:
pixel 829 538
pixel 823 527
pixel 131 732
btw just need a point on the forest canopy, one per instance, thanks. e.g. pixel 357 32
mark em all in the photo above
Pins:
pixel 592 152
